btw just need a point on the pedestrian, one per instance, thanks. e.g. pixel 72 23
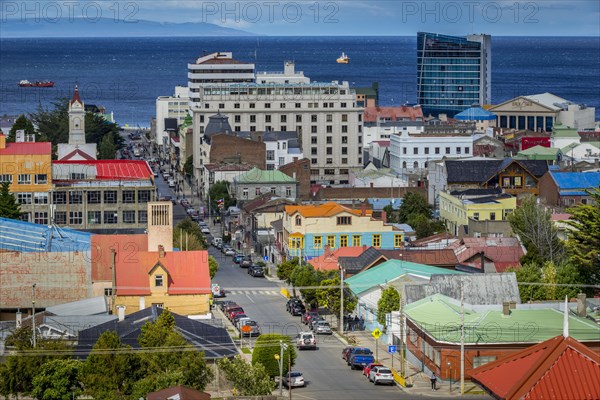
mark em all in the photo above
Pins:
pixel 433 381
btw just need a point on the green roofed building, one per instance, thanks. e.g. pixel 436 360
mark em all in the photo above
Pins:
pixel 257 182
pixel 433 332
pixel 550 154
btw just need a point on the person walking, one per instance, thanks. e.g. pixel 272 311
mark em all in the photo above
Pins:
pixel 433 381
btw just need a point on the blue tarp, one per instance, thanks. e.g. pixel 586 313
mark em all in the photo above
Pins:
pixel 576 180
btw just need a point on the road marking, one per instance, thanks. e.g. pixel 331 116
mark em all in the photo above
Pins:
pixel 249 298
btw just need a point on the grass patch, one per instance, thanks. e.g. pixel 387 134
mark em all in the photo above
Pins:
pixel 246 350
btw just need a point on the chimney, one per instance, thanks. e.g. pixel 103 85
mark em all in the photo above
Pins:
pixel 161 251
pixel 160 225
pixel 121 312
pixel 2 141
pixel 506 308
pixel 512 305
pixel 363 209
pixel 384 217
pixel 581 307
pixel 142 303
pixel 326 250
pixel 19 318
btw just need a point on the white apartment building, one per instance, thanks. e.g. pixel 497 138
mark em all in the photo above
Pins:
pixel 383 130
pixel 170 107
pixel 412 153
pixel 324 114
pixel 282 148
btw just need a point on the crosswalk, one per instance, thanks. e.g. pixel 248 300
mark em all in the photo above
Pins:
pixel 255 292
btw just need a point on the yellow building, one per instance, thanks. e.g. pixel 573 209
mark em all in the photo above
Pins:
pixel 479 204
pixel 28 168
pixel 308 229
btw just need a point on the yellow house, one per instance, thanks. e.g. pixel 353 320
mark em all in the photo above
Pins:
pixel 307 229
pixel 28 168
pixel 479 204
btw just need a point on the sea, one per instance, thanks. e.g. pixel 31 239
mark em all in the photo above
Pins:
pixel 126 75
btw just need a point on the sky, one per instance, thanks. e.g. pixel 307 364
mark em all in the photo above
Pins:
pixel 322 17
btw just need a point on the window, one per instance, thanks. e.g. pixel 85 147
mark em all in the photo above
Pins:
pixel 331 241
pixel 356 239
pixel 344 220
pixel 329 139
pixel 298 105
pixel 253 118
pixel 415 150
pixel 143 196
pixel 313 129
pixel 108 291
pixel 343 105
pixel 60 217
pixel 93 197
pixel 318 242
pixel 296 243
pixel 313 140
pixel 281 160
pixel 24 179
pixel 40 198
pixel 281 105
pixel 343 240
pixel 6 178
pixel 252 105
pixel 283 118
pixel 94 217
pixel 288 191
pixel 467 151
pixel 111 217
pixel 59 198
pixel 329 151
pixel 158 281
pixel 404 150
pixel 270 155
pixel 426 150
pixel 129 196
pixel 110 197
pixel 476 216
pixel 221 105
pixel 41 179
pixel 376 241
pixel 458 150
pixel 329 171
pixel 273 190
pixel 142 217
pixel 41 218
pixel 398 241
pixel 437 150
pixel 267 118
pixel 344 139
pixel 329 128
pixel 129 217
pixel 237 118
pixel 344 117
pixel 298 118
pixel 298 220
pixel 283 128
pixel 75 197
pixel 314 161
pixel 482 360
pixel 257 192
pixel 75 218
pixel 236 105
pixel 492 216
pixel 447 150
pixel 344 150
pixel 267 105
pixel 329 161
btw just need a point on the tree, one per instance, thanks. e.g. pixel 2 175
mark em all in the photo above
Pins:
pixel 247 379
pixel 413 204
pixel 422 225
pixel 188 236
pixel 57 380
pixel 534 226
pixel 107 150
pixel 9 208
pixel 220 190
pixel 388 302
pixel 213 266
pixel 329 296
pixel 584 239
pixel 391 214
pixel 265 349
pixel 548 279
pixel 286 268
pixel 22 123
pixel 188 167
pixel 110 370
pixel 305 275
pixel 529 273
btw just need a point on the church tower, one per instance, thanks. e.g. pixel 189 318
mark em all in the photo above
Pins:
pixel 76 119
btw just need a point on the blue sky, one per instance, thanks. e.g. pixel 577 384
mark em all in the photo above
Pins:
pixel 315 17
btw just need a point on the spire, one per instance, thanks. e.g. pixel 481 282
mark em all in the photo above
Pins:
pixel 566 320
pixel 76 95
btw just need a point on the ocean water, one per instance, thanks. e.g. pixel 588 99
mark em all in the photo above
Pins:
pixel 126 75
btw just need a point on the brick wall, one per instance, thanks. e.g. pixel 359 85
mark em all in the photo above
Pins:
pixel 300 170
pixel 228 149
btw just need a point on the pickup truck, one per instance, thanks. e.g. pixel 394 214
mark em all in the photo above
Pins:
pixel 360 357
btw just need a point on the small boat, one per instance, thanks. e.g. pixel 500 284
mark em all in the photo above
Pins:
pixel 344 59
pixel 26 83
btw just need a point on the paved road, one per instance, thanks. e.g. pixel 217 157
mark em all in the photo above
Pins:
pixel 326 373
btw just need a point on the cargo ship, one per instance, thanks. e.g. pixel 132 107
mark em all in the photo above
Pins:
pixel 26 83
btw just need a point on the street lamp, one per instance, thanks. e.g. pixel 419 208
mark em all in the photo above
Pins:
pixel 279 358
pixel 341 299
pixel 33 313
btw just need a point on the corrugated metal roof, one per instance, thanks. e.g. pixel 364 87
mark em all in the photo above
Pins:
pixel 559 368
pixel 115 169
pixel 576 180
pixel 28 237
pixel 256 175
pixel 27 148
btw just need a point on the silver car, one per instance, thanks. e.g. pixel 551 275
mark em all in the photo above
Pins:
pixel 252 330
pixel 381 375
pixel 294 379
pixel 322 328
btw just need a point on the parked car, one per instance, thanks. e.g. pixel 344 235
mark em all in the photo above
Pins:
pixel 380 375
pixel 238 258
pixel 229 251
pixel 235 311
pixel 254 328
pixel 217 291
pixel 322 328
pixel 307 316
pixel 346 352
pixel 313 321
pixel 171 182
pixel 297 309
pixel 369 367
pixel 229 306
pixel 237 317
pixel 204 229
pixel 293 379
pixel 292 300
pixel 256 270
pixel 166 176
pixel 306 340
pixel 246 262
pixel 359 357
pixel 216 241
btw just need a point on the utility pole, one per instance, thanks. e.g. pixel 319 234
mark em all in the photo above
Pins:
pixel 280 368
pixel 341 299
pixel 33 313
pixel 290 376
pixel 462 339
pixel 401 337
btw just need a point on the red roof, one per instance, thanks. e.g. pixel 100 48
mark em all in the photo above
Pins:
pixel 503 252
pixel 126 246
pixel 116 169
pixel 178 392
pixel 76 96
pixel 187 272
pixel 393 113
pixel 559 368
pixel 77 152
pixel 382 143
pixel 329 260
pixel 27 148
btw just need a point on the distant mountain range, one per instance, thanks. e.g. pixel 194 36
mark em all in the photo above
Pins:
pixel 106 27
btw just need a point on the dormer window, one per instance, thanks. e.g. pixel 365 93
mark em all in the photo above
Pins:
pixel 158 281
pixel 298 220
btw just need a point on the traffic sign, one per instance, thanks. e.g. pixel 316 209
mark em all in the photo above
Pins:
pixel 266 258
pixel 246 328
pixel 392 349
pixel 376 333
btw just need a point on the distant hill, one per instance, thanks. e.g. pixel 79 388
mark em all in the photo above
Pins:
pixel 106 27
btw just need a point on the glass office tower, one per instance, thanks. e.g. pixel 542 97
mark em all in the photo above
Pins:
pixel 453 73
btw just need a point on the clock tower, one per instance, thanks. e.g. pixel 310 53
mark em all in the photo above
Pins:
pixel 77 148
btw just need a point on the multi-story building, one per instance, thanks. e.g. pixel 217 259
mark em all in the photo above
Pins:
pixel 308 229
pixel 256 182
pixel 282 148
pixel 382 122
pixel 324 115
pixel 565 189
pixel 170 113
pixel 453 73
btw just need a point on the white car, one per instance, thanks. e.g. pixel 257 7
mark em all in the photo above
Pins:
pixel 306 340
pixel 205 229
pixel 171 183
pixel 294 379
pixel 380 375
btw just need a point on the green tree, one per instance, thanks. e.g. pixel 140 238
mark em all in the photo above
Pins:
pixel 110 369
pixel 220 190
pixel 247 379
pixel 388 302
pixel 305 275
pixel 107 150
pixel 534 226
pixel 391 214
pixel 329 296
pixel 549 280
pixel 529 273
pixel 188 167
pixel 422 225
pixel 584 239
pixel 414 204
pixel 57 380
pixel 22 123
pixel 286 269
pixel 213 266
pixel 188 236
pixel 265 349
pixel 9 208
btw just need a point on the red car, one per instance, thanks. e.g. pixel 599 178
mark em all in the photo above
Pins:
pixel 307 316
pixel 369 367
pixel 346 352
pixel 235 311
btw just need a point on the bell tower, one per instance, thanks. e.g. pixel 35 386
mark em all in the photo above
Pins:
pixel 76 120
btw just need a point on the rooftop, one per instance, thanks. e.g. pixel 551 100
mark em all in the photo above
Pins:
pixel 328 261
pixel 27 148
pixel 28 237
pixel 372 114
pixel 575 180
pixel 114 169
pixel 256 176
pixel 475 114
pixel 328 209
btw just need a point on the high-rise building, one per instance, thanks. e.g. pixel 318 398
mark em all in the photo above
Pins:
pixel 453 73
